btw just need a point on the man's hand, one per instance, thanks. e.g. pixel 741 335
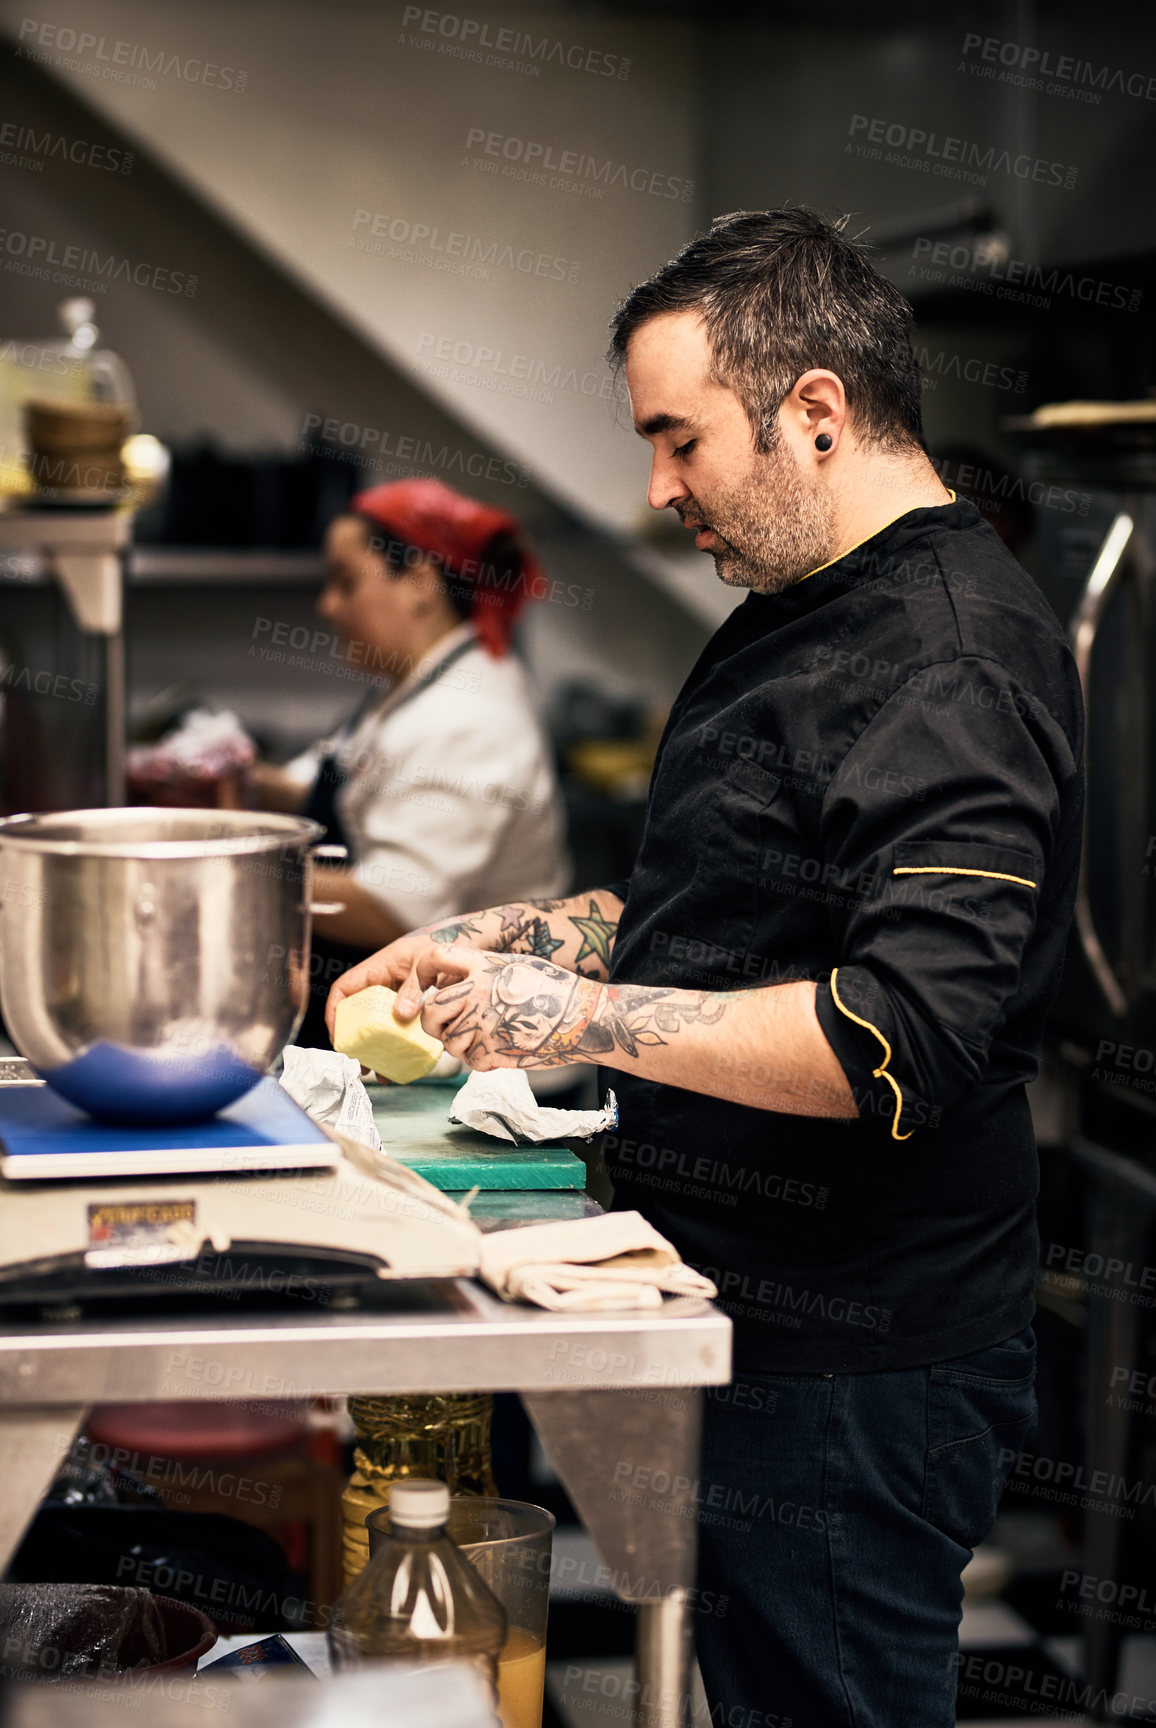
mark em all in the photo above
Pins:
pixel 575 935
pixel 396 966
pixel 508 1010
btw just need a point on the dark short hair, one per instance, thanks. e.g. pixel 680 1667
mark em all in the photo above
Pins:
pixel 501 564
pixel 781 291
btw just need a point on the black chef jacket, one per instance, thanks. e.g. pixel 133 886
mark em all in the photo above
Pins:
pixel 872 780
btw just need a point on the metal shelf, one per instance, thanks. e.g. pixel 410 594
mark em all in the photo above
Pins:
pixel 164 566
pixel 160 565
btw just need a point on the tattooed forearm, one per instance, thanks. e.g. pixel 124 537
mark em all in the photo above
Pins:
pixel 565 932
pixel 541 1016
pixel 597 935
pixel 533 1012
pixel 456 931
pixel 760 1047
pixel 633 1015
pixel 576 934
pixel 526 935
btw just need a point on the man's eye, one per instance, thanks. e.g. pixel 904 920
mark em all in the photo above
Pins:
pixel 685 449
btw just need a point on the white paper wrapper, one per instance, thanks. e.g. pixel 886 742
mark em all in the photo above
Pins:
pixel 328 1088
pixel 501 1103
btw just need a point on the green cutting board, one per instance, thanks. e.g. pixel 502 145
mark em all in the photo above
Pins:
pixel 414 1125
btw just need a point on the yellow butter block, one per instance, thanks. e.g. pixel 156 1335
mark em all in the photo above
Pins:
pixel 365 1028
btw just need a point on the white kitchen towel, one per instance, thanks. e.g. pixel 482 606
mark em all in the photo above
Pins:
pixel 588 1264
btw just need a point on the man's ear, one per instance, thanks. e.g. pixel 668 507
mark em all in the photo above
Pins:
pixel 816 407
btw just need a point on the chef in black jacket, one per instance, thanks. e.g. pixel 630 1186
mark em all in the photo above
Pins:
pixel 823 989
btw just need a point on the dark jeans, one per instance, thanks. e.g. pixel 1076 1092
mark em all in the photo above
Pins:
pixel 837 1513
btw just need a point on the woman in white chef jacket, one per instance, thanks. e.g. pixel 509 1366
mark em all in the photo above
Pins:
pixel 441 784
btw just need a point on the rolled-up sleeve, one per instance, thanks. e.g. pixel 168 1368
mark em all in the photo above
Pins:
pixel 940 823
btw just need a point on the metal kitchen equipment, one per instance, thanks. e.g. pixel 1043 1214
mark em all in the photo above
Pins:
pixel 1093 466
pixel 596 1386
pixel 1096 563
pixel 154 962
pixel 276 1297
pixel 256 1319
pixel 81 540
pixel 84 550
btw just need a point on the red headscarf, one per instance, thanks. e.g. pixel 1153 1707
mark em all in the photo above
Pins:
pixel 455 532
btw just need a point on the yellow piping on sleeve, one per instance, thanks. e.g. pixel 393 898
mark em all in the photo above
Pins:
pixel 879 1073
pixel 959 870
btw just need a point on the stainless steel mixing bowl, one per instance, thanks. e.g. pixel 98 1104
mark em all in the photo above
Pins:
pixel 154 962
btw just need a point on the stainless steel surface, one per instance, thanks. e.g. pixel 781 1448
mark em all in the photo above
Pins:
pixel 1107 1000
pixel 663 1655
pixel 477 1340
pixel 115 719
pixel 326 855
pixel 173 566
pixel 154 962
pixel 1106 573
pixel 469 1338
pixel 630 1463
pixel 15 1071
pixel 635 1492
pixel 86 551
pixel 1119 1232
pixel 159 565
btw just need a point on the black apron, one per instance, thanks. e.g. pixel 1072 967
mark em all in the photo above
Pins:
pixel 329 959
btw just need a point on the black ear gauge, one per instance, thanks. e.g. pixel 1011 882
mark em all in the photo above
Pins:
pixel 823 441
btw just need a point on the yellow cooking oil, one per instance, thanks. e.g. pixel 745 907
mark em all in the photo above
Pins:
pixel 521 1679
pixel 444 1436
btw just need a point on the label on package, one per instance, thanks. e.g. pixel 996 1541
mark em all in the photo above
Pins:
pixel 141 1232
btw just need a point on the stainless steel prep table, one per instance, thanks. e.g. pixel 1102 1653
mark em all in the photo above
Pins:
pixel 616 1401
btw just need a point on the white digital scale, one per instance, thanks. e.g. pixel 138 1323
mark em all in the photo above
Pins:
pixel 254 1198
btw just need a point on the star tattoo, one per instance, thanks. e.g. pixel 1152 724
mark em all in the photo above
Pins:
pixel 597 935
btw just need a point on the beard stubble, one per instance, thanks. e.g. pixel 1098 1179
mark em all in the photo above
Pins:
pixel 773 525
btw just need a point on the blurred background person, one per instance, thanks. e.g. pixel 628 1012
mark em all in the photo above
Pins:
pixel 441 783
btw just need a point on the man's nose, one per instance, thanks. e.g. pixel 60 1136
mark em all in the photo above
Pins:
pixel 326 603
pixel 666 487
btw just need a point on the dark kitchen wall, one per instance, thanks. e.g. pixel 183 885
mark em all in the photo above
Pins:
pixel 420 195
pixel 414 223
pixel 925 125
pixel 1066 168
pixel 231 340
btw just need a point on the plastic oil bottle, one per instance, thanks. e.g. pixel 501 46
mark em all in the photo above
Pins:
pixel 419 1599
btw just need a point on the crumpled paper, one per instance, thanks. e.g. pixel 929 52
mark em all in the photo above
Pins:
pixel 328 1087
pixel 501 1103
